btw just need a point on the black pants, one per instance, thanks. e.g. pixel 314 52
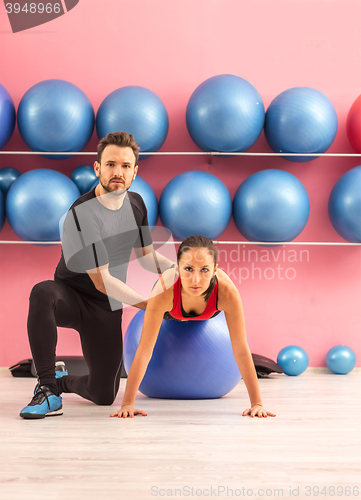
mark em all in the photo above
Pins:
pixel 54 304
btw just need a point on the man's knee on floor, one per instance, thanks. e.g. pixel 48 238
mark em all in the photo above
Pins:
pixel 104 399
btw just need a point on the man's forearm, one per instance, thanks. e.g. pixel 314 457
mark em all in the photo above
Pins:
pixel 155 262
pixel 121 292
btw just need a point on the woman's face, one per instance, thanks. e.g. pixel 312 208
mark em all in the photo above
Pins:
pixel 196 269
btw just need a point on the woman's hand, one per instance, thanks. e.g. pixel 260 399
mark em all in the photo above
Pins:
pixel 128 411
pixel 258 411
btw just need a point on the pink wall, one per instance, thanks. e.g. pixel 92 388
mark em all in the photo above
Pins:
pixel 171 47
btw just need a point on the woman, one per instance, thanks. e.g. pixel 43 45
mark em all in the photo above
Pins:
pixel 197 291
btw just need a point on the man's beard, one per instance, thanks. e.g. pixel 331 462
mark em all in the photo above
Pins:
pixel 114 192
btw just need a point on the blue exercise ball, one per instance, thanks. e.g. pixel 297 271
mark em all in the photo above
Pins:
pixel 195 202
pixel 55 115
pixel 8 175
pixel 7 116
pixel 37 201
pixel 226 114
pixel 293 359
pixel 191 359
pixel 271 205
pixel 344 205
pixel 137 111
pixel 142 187
pixel 84 178
pixel 2 210
pixel 300 120
pixel 341 359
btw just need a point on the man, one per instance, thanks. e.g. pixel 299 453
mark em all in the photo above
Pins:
pixel 100 231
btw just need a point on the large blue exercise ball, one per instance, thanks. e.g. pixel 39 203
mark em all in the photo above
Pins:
pixel 195 202
pixel 226 114
pixel 7 116
pixel 2 211
pixel 341 359
pixel 271 205
pixel 55 115
pixel 37 201
pixel 8 175
pixel 142 187
pixel 300 120
pixel 137 111
pixel 344 205
pixel 293 359
pixel 84 178
pixel 191 359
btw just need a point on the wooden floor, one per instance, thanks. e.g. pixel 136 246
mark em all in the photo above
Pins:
pixel 315 441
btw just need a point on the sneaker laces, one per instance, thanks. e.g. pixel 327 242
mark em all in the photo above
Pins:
pixel 40 392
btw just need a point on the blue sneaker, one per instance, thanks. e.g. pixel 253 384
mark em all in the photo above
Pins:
pixel 60 371
pixel 44 404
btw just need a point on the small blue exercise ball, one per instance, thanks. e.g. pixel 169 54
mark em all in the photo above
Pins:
pixel 84 178
pixel 195 202
pixel 300 120
pixel 137 111
pixel 8 175
pixel 271 205
pixel 191 359
pixel 7 116
pixel 2 210
pixel 344 205
pixel 36 202
pixel 341 359
pixel 55 115
pixel 226 114
pixel 142 187
pixel 293 359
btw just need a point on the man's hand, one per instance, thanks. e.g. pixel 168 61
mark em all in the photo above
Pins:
pixel 142 305
pixel 128 411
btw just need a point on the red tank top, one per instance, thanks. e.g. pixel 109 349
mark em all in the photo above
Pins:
pixel 177 311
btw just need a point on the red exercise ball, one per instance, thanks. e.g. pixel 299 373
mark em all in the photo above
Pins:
pixel 353 125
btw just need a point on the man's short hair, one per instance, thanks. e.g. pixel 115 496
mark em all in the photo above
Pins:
pixel 121 139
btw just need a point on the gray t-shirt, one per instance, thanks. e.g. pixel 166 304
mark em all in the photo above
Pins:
pixel 94 235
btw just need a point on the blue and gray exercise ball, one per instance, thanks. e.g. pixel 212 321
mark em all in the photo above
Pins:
pixel 191 359
pixel 226 114
pixel 84 177
pixel 55 115
pixel 195 202
pixel 271 205
pixel 300 120
pixel 137 111
pixel 8 175
pixel 2 210
pixel 7 116
pixel 36 202
pixel 341 359
pixel 142 187
pixel 293 359
pixel 344 205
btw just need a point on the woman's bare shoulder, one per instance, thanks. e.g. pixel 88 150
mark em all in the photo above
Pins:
pixel 227 290
pixel 162 293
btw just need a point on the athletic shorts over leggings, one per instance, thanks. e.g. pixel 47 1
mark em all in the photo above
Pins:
pixel 55 304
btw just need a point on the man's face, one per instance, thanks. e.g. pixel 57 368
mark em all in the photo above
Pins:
pixel 117 169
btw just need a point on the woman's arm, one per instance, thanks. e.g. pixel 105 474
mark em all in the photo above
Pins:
pixel 230 302
pixel 157 306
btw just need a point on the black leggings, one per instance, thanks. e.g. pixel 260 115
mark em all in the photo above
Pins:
pixel 54 304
